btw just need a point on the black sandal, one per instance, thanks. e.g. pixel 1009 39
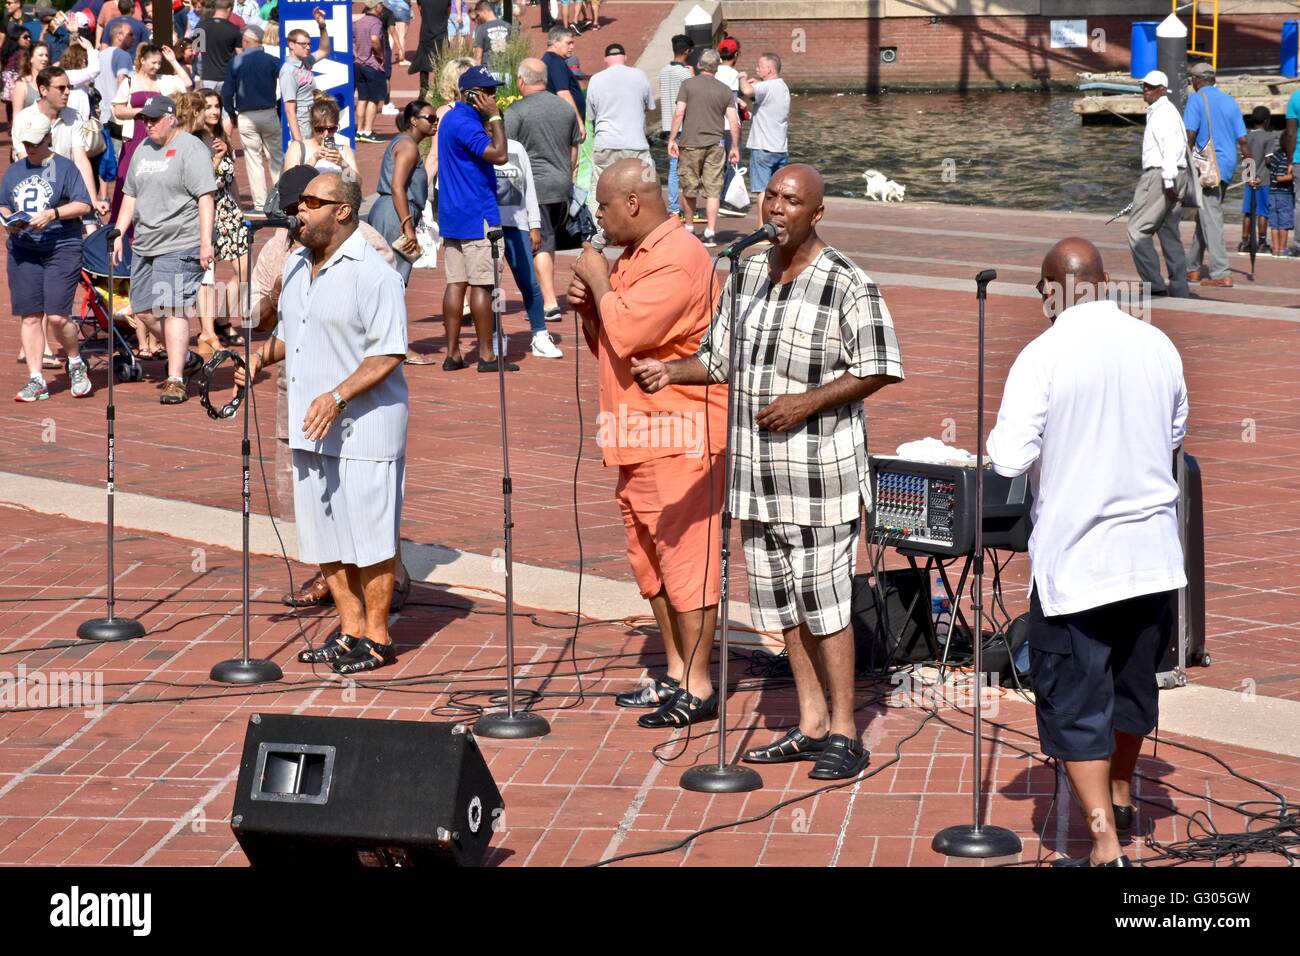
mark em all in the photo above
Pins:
pixel 842 758
pixel 796 745
pixel 336 646
pixel 681 709
pixel 227 334
pixel 651 695
pixel 366 656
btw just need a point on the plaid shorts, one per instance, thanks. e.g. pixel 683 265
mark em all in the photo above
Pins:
pixel 801 575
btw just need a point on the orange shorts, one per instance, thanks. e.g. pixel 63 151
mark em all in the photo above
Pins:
pixel 673 527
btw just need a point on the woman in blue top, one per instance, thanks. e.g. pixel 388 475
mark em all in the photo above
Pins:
pixel 404 188
pixel 403 184
pixel 42 199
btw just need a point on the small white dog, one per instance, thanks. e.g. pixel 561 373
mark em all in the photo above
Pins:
pixel 881 188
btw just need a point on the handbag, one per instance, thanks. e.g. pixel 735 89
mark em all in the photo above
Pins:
pixel 92 136
pixel 1206 161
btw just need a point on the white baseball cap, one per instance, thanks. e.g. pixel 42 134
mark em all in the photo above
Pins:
pixel 31 126
pixel 1155 78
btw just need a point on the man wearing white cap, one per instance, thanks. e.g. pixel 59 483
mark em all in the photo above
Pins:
pixel 1157 201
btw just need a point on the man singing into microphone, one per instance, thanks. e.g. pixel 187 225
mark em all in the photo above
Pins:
pixel 342 336
pixel 656 303
pixel 815 340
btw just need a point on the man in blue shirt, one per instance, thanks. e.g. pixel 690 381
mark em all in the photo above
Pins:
pixel 561 80
pixel 125 10
pixel 467 198
pixel 1213 114
pixel 251 91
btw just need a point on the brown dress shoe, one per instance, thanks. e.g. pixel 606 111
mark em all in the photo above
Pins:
pixel 312 594
pixel 1225 282
pixel 1193 275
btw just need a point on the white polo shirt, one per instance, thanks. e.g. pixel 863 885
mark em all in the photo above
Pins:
pixel 1093 410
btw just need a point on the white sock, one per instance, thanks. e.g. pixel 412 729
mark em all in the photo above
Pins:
pixel 76 360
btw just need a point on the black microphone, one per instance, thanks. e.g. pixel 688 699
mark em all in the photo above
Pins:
pixel 112 233
pixel 982 282
pixel 768 232
pixel 273 222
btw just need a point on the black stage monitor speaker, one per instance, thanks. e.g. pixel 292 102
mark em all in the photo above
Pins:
pixel 347 792
pixel 900 632
pixel 1187 649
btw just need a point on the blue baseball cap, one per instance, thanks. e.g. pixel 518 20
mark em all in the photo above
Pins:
pixel 477 78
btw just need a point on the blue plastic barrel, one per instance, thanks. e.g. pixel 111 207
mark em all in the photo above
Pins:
pixel 1143 48
pixel 1290 47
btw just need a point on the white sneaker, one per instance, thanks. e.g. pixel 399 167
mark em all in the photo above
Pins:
pixel 80 379
pixel 709 241
pixel 390 110
pixel 544 346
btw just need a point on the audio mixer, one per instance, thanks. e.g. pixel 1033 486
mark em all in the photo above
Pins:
pixel 930 507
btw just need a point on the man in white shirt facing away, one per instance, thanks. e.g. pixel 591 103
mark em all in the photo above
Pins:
pixel 1157 201
pixel 1094 409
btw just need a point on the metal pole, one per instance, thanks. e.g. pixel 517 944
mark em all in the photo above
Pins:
pixel 110 628
pixel 244 669
pixel 974 840
pixel 510 725
pixel 725 777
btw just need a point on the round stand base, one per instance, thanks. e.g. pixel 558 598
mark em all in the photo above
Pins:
pixel 976 843
pixel 246 672
pixel 110 629
pixel 711 778
pixel 521 726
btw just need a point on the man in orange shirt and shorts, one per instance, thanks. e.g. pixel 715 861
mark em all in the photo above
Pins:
pixel 657 303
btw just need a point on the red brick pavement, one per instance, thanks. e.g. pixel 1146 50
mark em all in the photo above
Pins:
pixel 148 775
pixel 1245 423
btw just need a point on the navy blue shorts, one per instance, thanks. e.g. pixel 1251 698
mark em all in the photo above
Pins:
pixel 372 85
pixel 44 282
pixel 1094 673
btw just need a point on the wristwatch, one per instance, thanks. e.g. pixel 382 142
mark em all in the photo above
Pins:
pixel 339 400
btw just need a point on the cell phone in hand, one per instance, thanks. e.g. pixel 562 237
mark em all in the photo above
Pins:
pixel 328 142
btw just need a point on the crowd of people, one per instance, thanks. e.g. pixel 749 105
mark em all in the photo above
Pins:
pixel 1189 160
pixel 134 118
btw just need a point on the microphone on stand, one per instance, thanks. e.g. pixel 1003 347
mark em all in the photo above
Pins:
pixel 273 222
pixel 768 233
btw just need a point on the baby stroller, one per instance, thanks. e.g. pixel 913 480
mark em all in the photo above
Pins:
pixel 100 332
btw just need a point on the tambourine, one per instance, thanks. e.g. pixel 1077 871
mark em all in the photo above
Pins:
pixel 206 375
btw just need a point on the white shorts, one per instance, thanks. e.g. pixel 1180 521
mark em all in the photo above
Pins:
pixel 352 521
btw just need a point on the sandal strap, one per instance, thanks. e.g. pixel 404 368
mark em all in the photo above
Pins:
pixel 334 647
pixel 366 656
pixel 680 710
pixel 794 743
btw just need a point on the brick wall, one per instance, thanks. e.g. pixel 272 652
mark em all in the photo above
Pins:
pixel 966 52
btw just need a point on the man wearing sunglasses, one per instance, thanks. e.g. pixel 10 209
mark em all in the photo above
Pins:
pixel 53 85
pixel 342 336
pixel 298 77
pixel 266 282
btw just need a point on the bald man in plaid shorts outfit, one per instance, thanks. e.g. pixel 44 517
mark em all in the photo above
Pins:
pixel 815 339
